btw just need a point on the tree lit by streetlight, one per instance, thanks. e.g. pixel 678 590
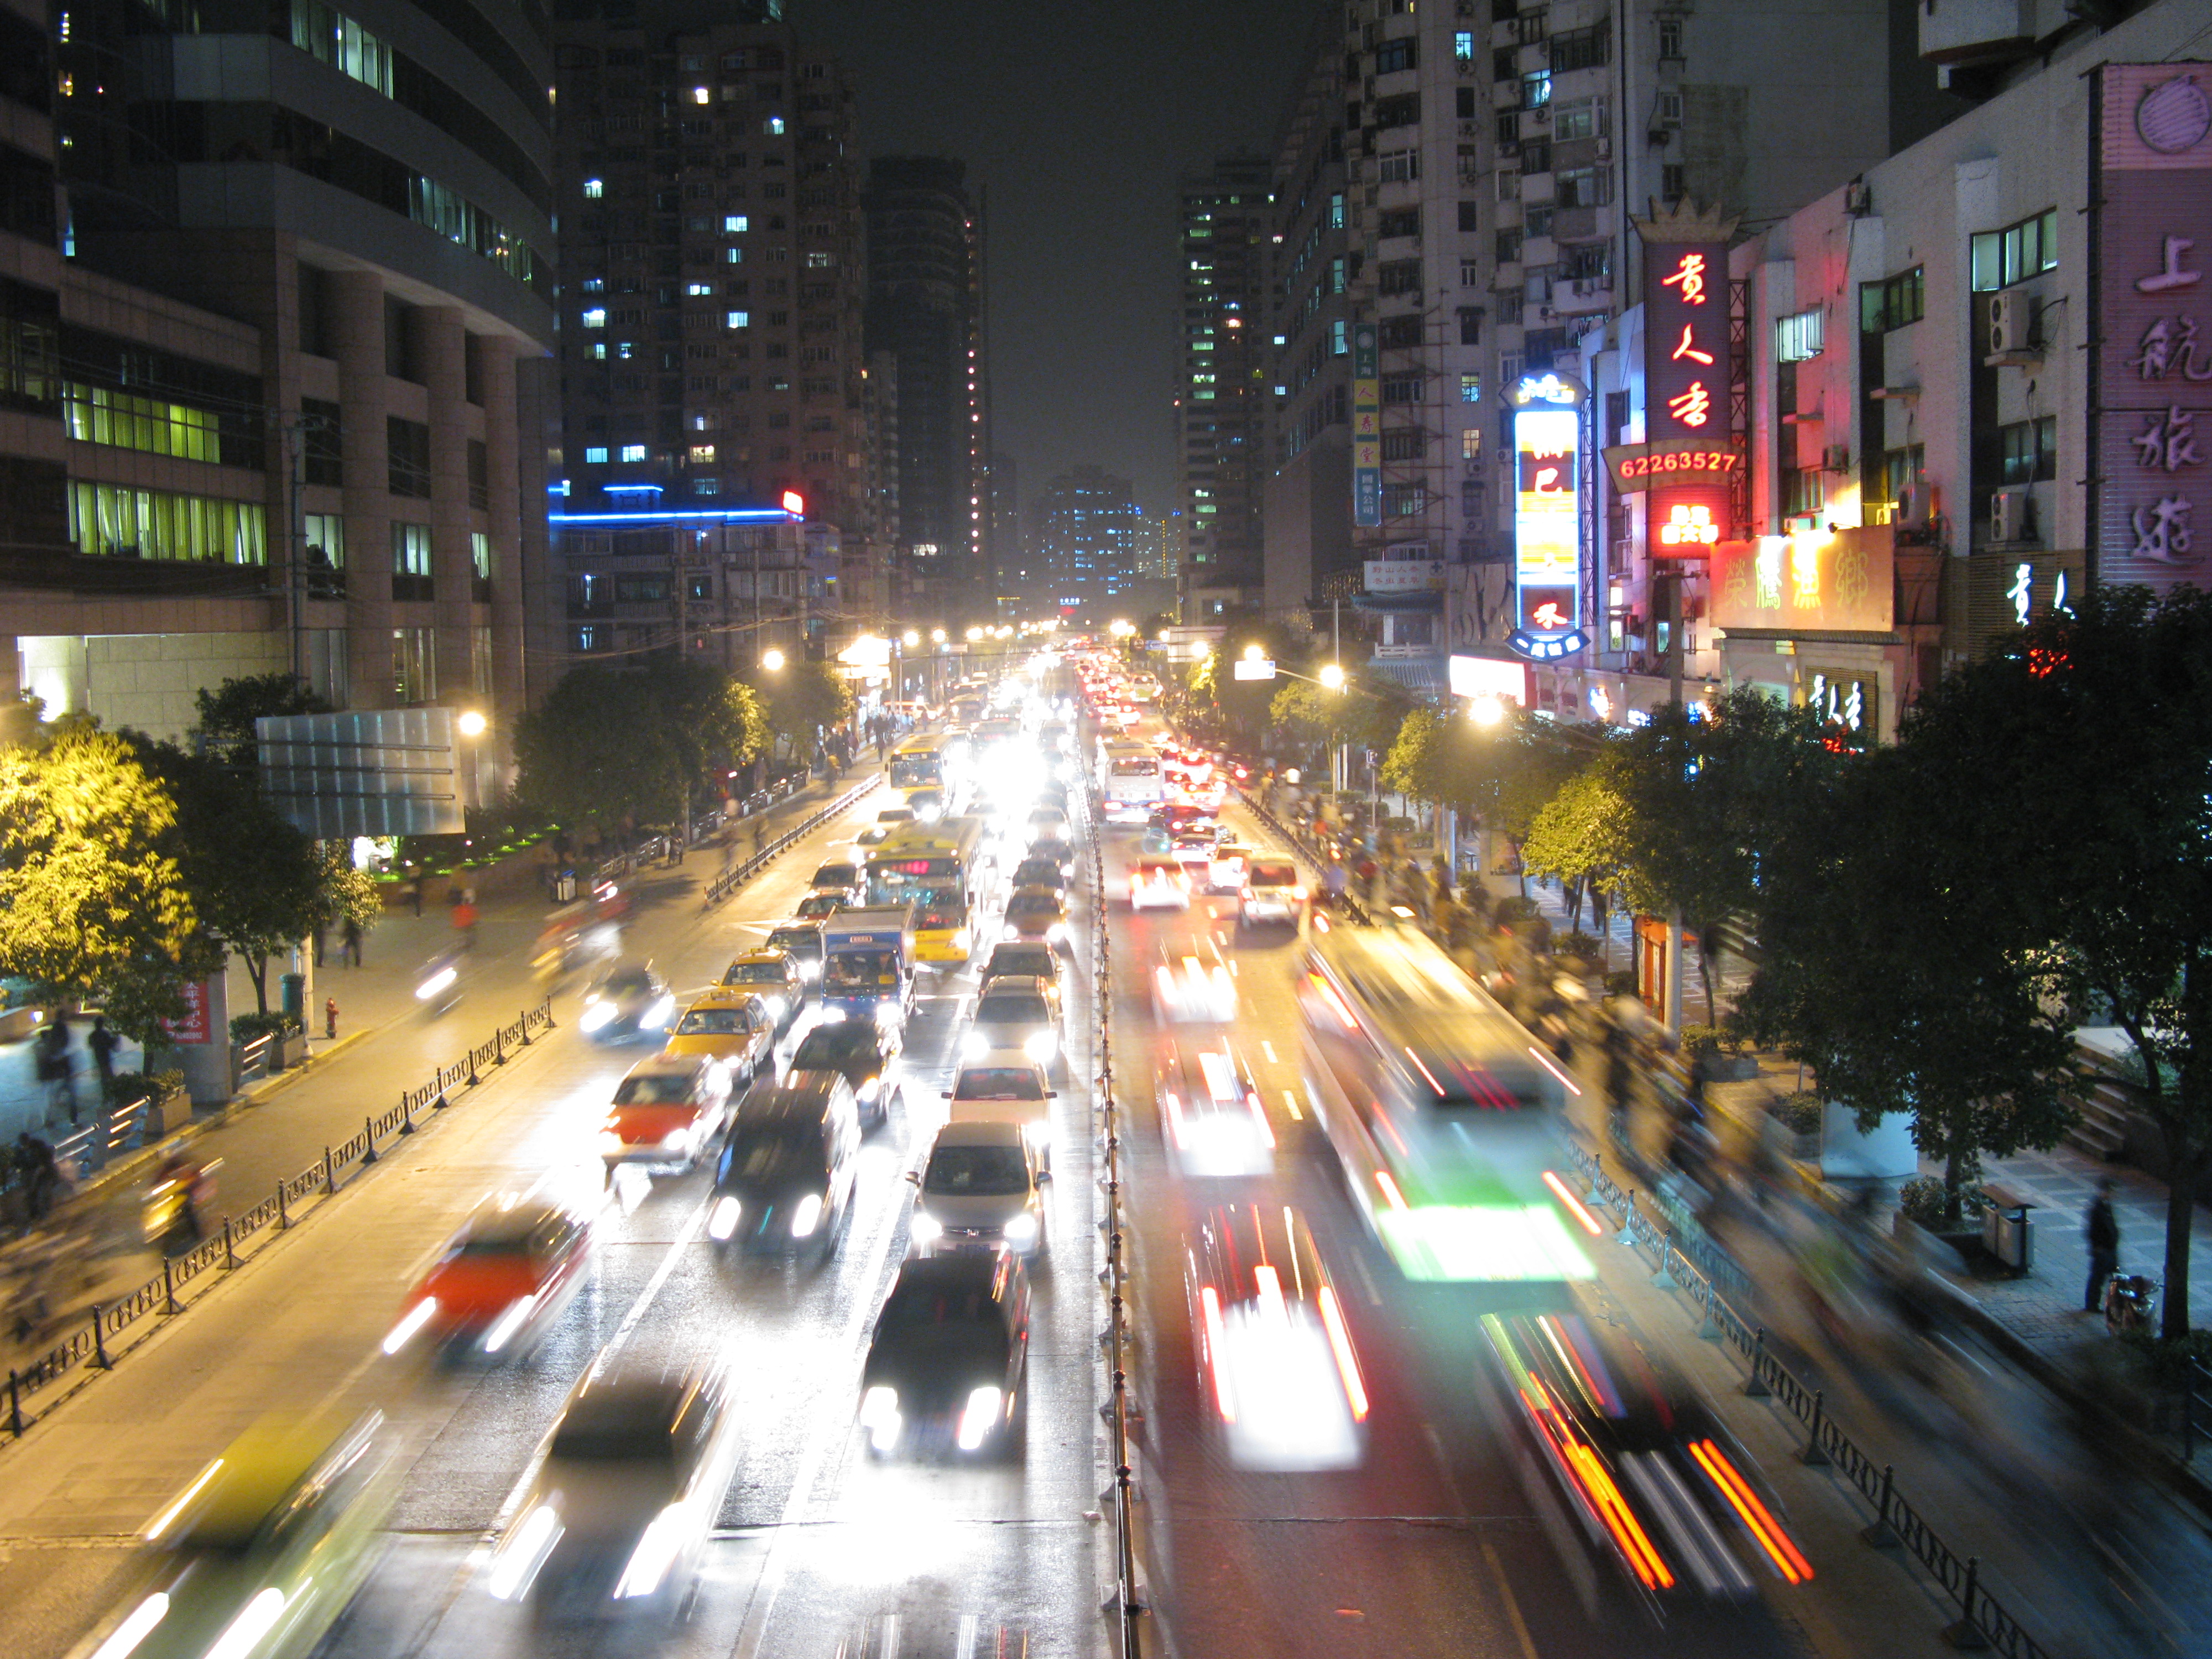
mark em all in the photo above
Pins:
pixel 1332 676
pixel 771 659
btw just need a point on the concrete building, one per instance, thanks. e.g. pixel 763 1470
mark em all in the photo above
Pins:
pixel 925 311
pixel 1959 402
pixel 276 286
pixel 1222 402
pixel 1087 531
pixel 715 388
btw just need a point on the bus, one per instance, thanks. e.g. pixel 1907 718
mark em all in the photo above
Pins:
pixel 936 856
pixel 919 763
pixel 1442 1110
pixel 1129 781
pixel 942 935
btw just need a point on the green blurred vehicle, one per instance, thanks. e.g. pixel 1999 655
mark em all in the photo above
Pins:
pixel 263 1552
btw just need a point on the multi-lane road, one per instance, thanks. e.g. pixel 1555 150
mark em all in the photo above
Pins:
pixel 1429 1546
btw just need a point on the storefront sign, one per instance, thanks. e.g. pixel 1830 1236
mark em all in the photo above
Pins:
pixel 1404 575
pixel 1675 460
pixel 1689 454
pixel 1546 519
pixel 1488 677
pixel 2154 333
pixel 1366 429
pixel 196 1026
pixel 1838 581
pixel 1848 705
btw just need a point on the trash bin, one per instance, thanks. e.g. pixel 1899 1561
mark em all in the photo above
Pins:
pixel 294 988
pixel 2006 1233
pixel 564 887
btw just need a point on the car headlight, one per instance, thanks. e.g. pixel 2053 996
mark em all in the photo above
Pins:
pixel 974 1044
pixel 135 1629
pixel 1037 1132
pixel 980 1417
pixel 722 1219
pixel 1021 1232
pixel 658 1011
pixel 523 1552
pixel 1042 1047
pixel 870 1088
pixel 675 1141
pixel 403 1333
pixel 879 1416
pixel 509 1321
pixel 655 1553
pixel 596 1014
pixel 925 1228
pixel 1011 931
pixel 611 1142
pixel 1057 932
pixel 806 1216
pixel 960 938
pixel 437 982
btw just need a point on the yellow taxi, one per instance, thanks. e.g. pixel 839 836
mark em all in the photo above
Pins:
pixel 731 1025
pixel 941 926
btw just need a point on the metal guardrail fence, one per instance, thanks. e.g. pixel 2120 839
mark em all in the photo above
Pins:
pixel 1690 1262
pixel 737 875
pixel 1129 1603
pixel 87 1345
pixel 1310 850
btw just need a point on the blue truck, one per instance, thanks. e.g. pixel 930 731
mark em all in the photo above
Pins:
pixel 867 963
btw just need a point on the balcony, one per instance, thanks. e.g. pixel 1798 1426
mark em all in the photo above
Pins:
pixel 1961 31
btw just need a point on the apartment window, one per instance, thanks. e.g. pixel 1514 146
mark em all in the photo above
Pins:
pixel 1399 222
pixel 1797 338
pixel 1801 491
pixel 2001 258
pixel 480 662
pixel 590 639
pixel 1336 210
pixel 1536 90
pixel 1405 500
pixel 1508 183
pixel 1901 471
pixel 595 455
pixel 1399 333
pixel 1508 130
pixel 1536 157
pixel 414 664
pixel 1584 117
pixel 1405 443
pixel 2029 450
pixel 1673 180
pixel 703 454
pixel 1509 247
pixel 1581 49
pixel 1509 302
pixel 321 457
pixel 1893 302
pixel 738 319
pixel 324 537
pixel 1470 391
pixel 1670 37
pixel 1470 325
pixel 1401 388
pixel 595 188
pixel 1398 166
pixel 706 486
pixel 1403 110
pixel 1504 64
pixel 1667 105
pixel 1337 274
pixel 408 453
pixel 1470 273
pixel 411 549
pixel 632 451
pixel 1463 47
pixel 1588 262
pixel 1395 56
pixel 1583 187
pixel 479 475
pixel 1398 277
pixel 480 555
pixel 1338 340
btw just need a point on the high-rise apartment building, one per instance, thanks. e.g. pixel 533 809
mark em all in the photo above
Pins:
pixel 277 280
pixel 925 310
pixel 1492 159
pixel 1086 543
pixel 1222 402
pixel 715 391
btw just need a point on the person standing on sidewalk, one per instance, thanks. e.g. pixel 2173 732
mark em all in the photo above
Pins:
pixel 102 1041
pixel 349 943
pixel 57 1069
pixel 2101 1228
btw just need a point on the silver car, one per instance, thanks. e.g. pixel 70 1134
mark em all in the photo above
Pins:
pixel 1021 1014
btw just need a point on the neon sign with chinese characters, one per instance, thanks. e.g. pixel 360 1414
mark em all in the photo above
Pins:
pixel 1547 516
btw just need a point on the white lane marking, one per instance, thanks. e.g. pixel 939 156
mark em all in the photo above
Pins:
pixel 1366 1280
pixel 964 1644
pixel 1269 1049
pixel 1290 1100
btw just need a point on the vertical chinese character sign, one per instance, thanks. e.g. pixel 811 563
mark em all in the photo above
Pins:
pixel 1366 430
pixel 1685 365
pixel 2153 343
pixel 1546 517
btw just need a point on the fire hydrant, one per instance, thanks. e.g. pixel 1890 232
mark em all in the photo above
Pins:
pixel 331 1018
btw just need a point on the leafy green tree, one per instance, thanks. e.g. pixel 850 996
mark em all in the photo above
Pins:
pixel 90 902
pixel 596 751
pixel 1887 968
pixel 804 699
pixel 1580 836
pixel 228 711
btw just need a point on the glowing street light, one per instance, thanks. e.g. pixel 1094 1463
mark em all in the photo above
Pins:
pixel 772 659
pixel 1120 628
pixel 1255 652
pixel 1487 709
pixel 471 723
pixel 913 637
pixel 1332 676
pixel 975 633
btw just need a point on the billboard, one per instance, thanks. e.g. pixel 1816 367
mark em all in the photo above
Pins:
pixel 1821 582
pixel 1688 455
pixel 1488 677
pixel 1366 429
pixel 2153 229
pixel 371 772
pixel 1547 516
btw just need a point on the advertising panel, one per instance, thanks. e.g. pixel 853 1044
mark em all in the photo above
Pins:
pixel 197 1024
pixel 2154 334
pixel 1488 677
pixel 1838 581
pixel 1366 429
pixel 1689 453
pixel 1547 516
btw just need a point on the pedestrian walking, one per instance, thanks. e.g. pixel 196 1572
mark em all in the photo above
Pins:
pixel 350 940
pixel 322 928
pixel 34 1156
pixel 56 1069
pixel 418 894
pixel 102 1043
pixel 465 919
pixel 2101 1228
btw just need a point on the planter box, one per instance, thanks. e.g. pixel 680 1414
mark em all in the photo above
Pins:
pixel 291 1050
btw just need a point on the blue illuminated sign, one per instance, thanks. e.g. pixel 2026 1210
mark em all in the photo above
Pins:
pixel 1547 647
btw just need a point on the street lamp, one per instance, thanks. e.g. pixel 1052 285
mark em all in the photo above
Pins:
pixel 1487 709
pixel 1256 652
pixel 1332 676
pixel 471 723
pixel 772 659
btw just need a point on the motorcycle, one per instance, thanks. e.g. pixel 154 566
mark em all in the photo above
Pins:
pixel 438 983
pixel 2130 1303
pixel 181 1193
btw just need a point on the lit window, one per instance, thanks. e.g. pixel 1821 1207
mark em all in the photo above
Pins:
pixel 703 454
pixel 1463 45
pixel 596 317
pixel 733 256
pixel 599 351
pixel 1470 391
pixel 706 486
pixel 596 455
pixel 595 188
pixel 595 285
pixel 699 290
pixel 1798 337
pixel 735 224
pixel 632 451
pixel 772 126
pixel 817 261
pixel 738 319
pixel 701 95
pixel 1338 340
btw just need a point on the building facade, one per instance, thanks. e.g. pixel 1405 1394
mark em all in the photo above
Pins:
pixel 714 389
pixel 1222 402
pixel 925 311
pixel 279 287
pixel 1085 545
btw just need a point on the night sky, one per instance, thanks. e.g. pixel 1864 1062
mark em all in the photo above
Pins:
pixel 1078 118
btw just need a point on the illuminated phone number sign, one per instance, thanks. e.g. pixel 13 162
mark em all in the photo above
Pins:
pixel 1643 466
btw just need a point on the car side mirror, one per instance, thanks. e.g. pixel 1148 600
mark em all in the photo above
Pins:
pixel 1052 1094
pixel 947 1093
pixel 913 1177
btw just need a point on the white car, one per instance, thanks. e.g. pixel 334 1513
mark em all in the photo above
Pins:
pixel 1271 893
pixel 1158 883
pixel 1193 983
pixel 1211 1114
pixel 889 821
pixel 1007 1087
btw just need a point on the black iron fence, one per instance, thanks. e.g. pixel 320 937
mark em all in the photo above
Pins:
pixel 739 874
pixel 87 1343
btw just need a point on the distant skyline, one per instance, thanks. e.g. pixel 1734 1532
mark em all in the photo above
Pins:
pixel 1076 120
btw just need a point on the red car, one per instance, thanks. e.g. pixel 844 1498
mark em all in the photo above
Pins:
pixel 502 1279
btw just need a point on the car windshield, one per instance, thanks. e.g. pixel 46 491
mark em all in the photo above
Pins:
pixel 860 968
pixel 773 1152
pixel 612 1439
pixel 754 973
pixel 1274 875
pixel 998 1083
pixel 1006 1010
pixel 829 1048
pixel 836 875
pixel 1033 904
pixel 1021 962
pixel 1044 872
pixel 800 940
pixel 815 906
pixel 713 1022
pixel 918 1308
pixel 631 983
pixel 976 1172
pixel 654 1089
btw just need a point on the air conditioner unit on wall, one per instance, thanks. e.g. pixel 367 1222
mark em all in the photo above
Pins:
pixel 1605 149
pixel 2012 324
pixel 1837 457
pixel 2011 515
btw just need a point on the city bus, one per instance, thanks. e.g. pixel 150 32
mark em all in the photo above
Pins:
pixel 1442 1110
pixel 919 763
pixel 942 935
pixel 935 856
pixel 1129 781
